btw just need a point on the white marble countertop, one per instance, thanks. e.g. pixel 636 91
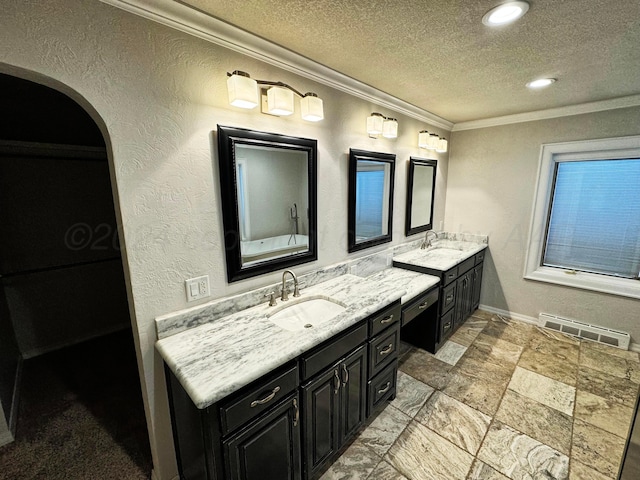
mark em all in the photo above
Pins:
pixel 215 359
pixel 414 283
pixel 443 255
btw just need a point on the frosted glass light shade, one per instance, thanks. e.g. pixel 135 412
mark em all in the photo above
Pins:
pixel 279 101
pixel 242 90
pixel 311 108
pixel 374 124
pixel 432 141
pixel 442 145
pixel 423 139
pixel 390 128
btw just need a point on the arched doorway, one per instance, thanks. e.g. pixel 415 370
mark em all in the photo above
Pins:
pixel 77 406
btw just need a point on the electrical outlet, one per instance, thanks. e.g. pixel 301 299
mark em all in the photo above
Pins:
pixel 197 288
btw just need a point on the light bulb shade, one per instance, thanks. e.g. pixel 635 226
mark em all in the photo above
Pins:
pixel 442 145
pixel 390 128
pixel 279 101
pixel 311 108
pixel 423 139
pixel 374 124
pixel 243 90
pixel 432 141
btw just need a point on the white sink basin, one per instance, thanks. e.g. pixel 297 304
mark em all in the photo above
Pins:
pixel 298 314
pixel 440 251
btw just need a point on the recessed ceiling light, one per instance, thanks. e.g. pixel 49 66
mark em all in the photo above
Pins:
pixel 541 82
pixel 506 13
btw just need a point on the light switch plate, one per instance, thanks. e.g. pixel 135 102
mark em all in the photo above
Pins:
pixel 197 288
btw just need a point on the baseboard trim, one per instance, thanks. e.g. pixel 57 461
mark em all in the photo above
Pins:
pixel 15 399
pixel 634 347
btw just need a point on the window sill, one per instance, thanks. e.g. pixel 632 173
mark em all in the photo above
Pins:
pixel 624 287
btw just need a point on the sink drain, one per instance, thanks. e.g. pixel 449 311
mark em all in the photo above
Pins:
pixel 308 325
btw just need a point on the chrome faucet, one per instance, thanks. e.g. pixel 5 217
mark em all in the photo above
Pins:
pixel 426 242
pixel 285 294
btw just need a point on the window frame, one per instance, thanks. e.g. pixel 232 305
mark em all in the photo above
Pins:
pixel 550 155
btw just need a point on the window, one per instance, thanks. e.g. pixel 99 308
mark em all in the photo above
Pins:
pixel 585 230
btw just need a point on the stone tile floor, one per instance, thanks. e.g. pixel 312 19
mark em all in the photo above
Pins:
pixel 501 399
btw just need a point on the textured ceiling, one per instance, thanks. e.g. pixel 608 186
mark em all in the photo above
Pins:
pixel 437 55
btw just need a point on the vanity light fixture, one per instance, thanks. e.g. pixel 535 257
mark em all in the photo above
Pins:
pixel 378 124
pixel 442 145
pixel 505 13
pixel 541 83
pixel 243 93
pixel 431 141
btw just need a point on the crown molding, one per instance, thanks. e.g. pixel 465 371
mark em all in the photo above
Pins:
pixel 591 107
pixel 194 22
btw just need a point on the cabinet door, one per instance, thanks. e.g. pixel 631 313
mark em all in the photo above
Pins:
pixel 320 407
pixel 477 282
pixel 463 299
pixel 268 447
pixel 353 373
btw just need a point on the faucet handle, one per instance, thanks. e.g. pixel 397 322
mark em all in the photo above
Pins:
pixel 272 298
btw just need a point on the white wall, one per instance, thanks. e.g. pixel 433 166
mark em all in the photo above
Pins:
pixel 490 189
pixel 157 95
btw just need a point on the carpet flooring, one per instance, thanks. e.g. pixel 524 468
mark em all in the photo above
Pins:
pixel 80 415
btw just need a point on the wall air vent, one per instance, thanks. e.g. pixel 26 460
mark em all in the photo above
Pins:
pixel 586 331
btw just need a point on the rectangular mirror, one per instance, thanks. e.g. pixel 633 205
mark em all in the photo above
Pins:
pixel 268 187
pixel 370 219
pixel 420 194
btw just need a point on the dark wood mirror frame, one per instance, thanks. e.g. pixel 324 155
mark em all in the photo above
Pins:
pixel 413 163
pixel 354 157
pixel 228 139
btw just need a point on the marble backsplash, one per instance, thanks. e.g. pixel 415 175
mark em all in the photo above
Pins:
pixel 176 322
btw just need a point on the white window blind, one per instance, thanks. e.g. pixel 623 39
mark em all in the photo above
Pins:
pixel 594 223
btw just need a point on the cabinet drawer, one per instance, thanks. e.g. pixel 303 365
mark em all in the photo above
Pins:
pixel 384 319
pixel 466 265
pixel 446 325
pixel 448 297
pixel 479 258
pixel 331 352
pixel 383 349
pixel 450 275
pixel 257 397
pixel 419 305
pixel 382 387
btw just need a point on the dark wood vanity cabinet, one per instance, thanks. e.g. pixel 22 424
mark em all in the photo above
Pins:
pixel 291 423
pixel 468 288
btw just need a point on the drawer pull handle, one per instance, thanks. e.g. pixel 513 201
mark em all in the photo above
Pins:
pixel 388 319
pixel 385 389
pixel 336 389
pixel 266 399
pixel 296 416
pixel 424 305
pixel 387 350
pixel 345 377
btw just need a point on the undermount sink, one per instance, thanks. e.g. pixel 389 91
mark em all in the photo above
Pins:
pixel 445 251
pixel 298 314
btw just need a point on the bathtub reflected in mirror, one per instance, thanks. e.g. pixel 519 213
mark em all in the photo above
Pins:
pixel 268 185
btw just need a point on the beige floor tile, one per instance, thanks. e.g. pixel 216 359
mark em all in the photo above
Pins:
pixel 476 392
pixel 578 471
pixel 550 365
pixel 421 454
pixel 455 421
pixel 411 394
pixel 508 330
pixel 499 351
pixel 597 449
pixel 545 390
pixel 356 463
pixel 482 315
pixel 482 471
pixel 519 456
pixel 542 423
pixel 609 350
pixel 425 367
pixel 384 430
pixel 468 331
pixel 614 389
pixel 609 416
pixel 451 352
pixel 608 360
pixel 550 338
pixel 384 471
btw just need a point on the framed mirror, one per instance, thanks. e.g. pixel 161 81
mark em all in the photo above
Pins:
pixel 268 189
pixel 420 194
pixel 370 198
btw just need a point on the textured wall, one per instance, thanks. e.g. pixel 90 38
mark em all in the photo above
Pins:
pixel 158 94
pixel 490 189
